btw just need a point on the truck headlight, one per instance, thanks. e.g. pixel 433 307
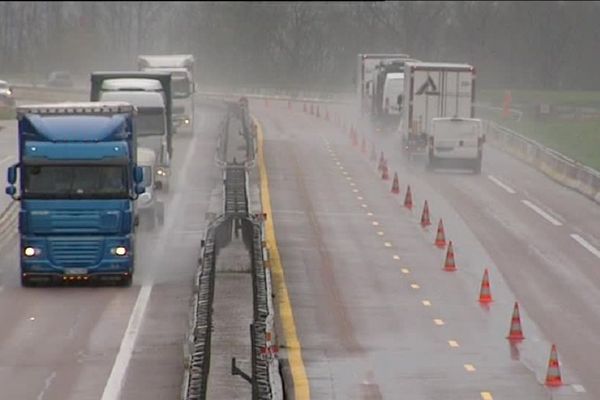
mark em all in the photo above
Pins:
pixel 161 172
pixel 186 121
pixel 31 251
pixel 119 251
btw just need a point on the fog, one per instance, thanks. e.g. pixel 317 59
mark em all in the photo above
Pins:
pixel 534 45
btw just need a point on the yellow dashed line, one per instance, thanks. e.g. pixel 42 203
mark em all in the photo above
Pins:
pixel 355 190
pixel 438 322
pixel 469 368
pixel 387 244
pixel 364 206
pixel 349 178
pixel 405 271
pixel 396 257
pixel 486 396
pixel 375 223
pixel 352 184
pixel 414 286
pixel 452 343
pixel 370 214
pixel 359 198
pixel 380 233
pixel 426 303
pixel 301 386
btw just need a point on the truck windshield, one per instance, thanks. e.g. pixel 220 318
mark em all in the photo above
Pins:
pixel 180 87
pixel 147 171
pixel 150 122
pixel 75 182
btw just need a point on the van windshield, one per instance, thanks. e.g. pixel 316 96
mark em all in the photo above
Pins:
pixel 454 129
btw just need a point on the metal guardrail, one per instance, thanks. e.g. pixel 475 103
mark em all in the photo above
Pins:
pixel 555 165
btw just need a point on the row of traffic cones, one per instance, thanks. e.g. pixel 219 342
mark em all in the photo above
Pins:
pixel 515 334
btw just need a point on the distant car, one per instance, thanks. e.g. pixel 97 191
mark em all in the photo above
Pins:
pixel 60 79
pixel 6 94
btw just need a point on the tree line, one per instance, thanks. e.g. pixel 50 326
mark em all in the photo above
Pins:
pixel 313 45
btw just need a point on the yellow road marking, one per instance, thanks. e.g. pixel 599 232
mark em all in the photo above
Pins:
pixel 469 368
pixel 405 271
pixel 486 396
pixel 370 214
pixel 355 190
pixel 414 286
pixel 375 223
pixel 396 257
pixel 380 233
pixel 453 343
pixel 426 303
pixel 438 322
pixel 301 386
pixel 359 198
pixel 387 244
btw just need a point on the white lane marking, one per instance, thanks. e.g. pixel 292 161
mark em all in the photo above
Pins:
pixel 586 244
pixel 112 390
pixel 501 184
pixel 542 213
pixel 117 375
pixel 578 388
pixel 47 384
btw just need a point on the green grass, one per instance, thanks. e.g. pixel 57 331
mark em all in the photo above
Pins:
pixel 566 98
pixel 7 113
pixel 576 139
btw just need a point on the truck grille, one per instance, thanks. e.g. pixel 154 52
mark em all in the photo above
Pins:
pixel 76 252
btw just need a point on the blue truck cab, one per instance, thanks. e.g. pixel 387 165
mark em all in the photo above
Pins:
pixel 76 179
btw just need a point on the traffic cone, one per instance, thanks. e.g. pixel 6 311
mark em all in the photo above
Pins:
pixel 440 239
pixel 553 375
pixel 381 162
pixel 425 216
pixel 318 114
pixel 408 199
pixel 304 107
pixel 485 295
pixel 449 265
pixel 396 184
pixel 516 332
pixel 384 174
pixel 373 153
pixel 363 146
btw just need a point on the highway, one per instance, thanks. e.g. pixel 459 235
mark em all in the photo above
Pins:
pixel 376 316
pixel 110 342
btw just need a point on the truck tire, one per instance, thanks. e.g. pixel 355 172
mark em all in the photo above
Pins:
pixel 160 213
pixel 126 281
pixel 477 165
pixel 25 282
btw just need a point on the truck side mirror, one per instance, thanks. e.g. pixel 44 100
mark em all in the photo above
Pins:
pixel 139 189
pixel 138 175
pixel 11 190
pixel 11 174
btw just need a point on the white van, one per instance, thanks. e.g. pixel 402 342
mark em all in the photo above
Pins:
pixel 455 142
pixel 393 91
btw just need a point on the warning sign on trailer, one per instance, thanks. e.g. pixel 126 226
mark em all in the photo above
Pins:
pixel 428 88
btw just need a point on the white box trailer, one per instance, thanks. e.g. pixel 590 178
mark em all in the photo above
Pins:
pixel 434 90
pixel 365 77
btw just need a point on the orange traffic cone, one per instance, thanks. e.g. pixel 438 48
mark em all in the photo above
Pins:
pixel 425 216
pixel 373 153
pixel 516 332
pixel 485 295
pixel 384 174
pixel 304 107
pixel 408 199
pixel 318 113
pixel 363 146
pixel 381 162
pixel 449 265
pixel 396 184
pixel 440 239
pixel 553 375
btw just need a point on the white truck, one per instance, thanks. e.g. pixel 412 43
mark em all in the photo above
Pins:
pixel 149 209
pixel 434 90
pixel 365 77
pixel 181 67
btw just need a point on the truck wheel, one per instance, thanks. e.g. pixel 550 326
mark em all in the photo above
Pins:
pixel 126 281
pixel 25 282
pixel 160 213
pixel 477 166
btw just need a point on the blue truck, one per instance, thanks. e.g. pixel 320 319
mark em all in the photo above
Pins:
pixel 77 180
